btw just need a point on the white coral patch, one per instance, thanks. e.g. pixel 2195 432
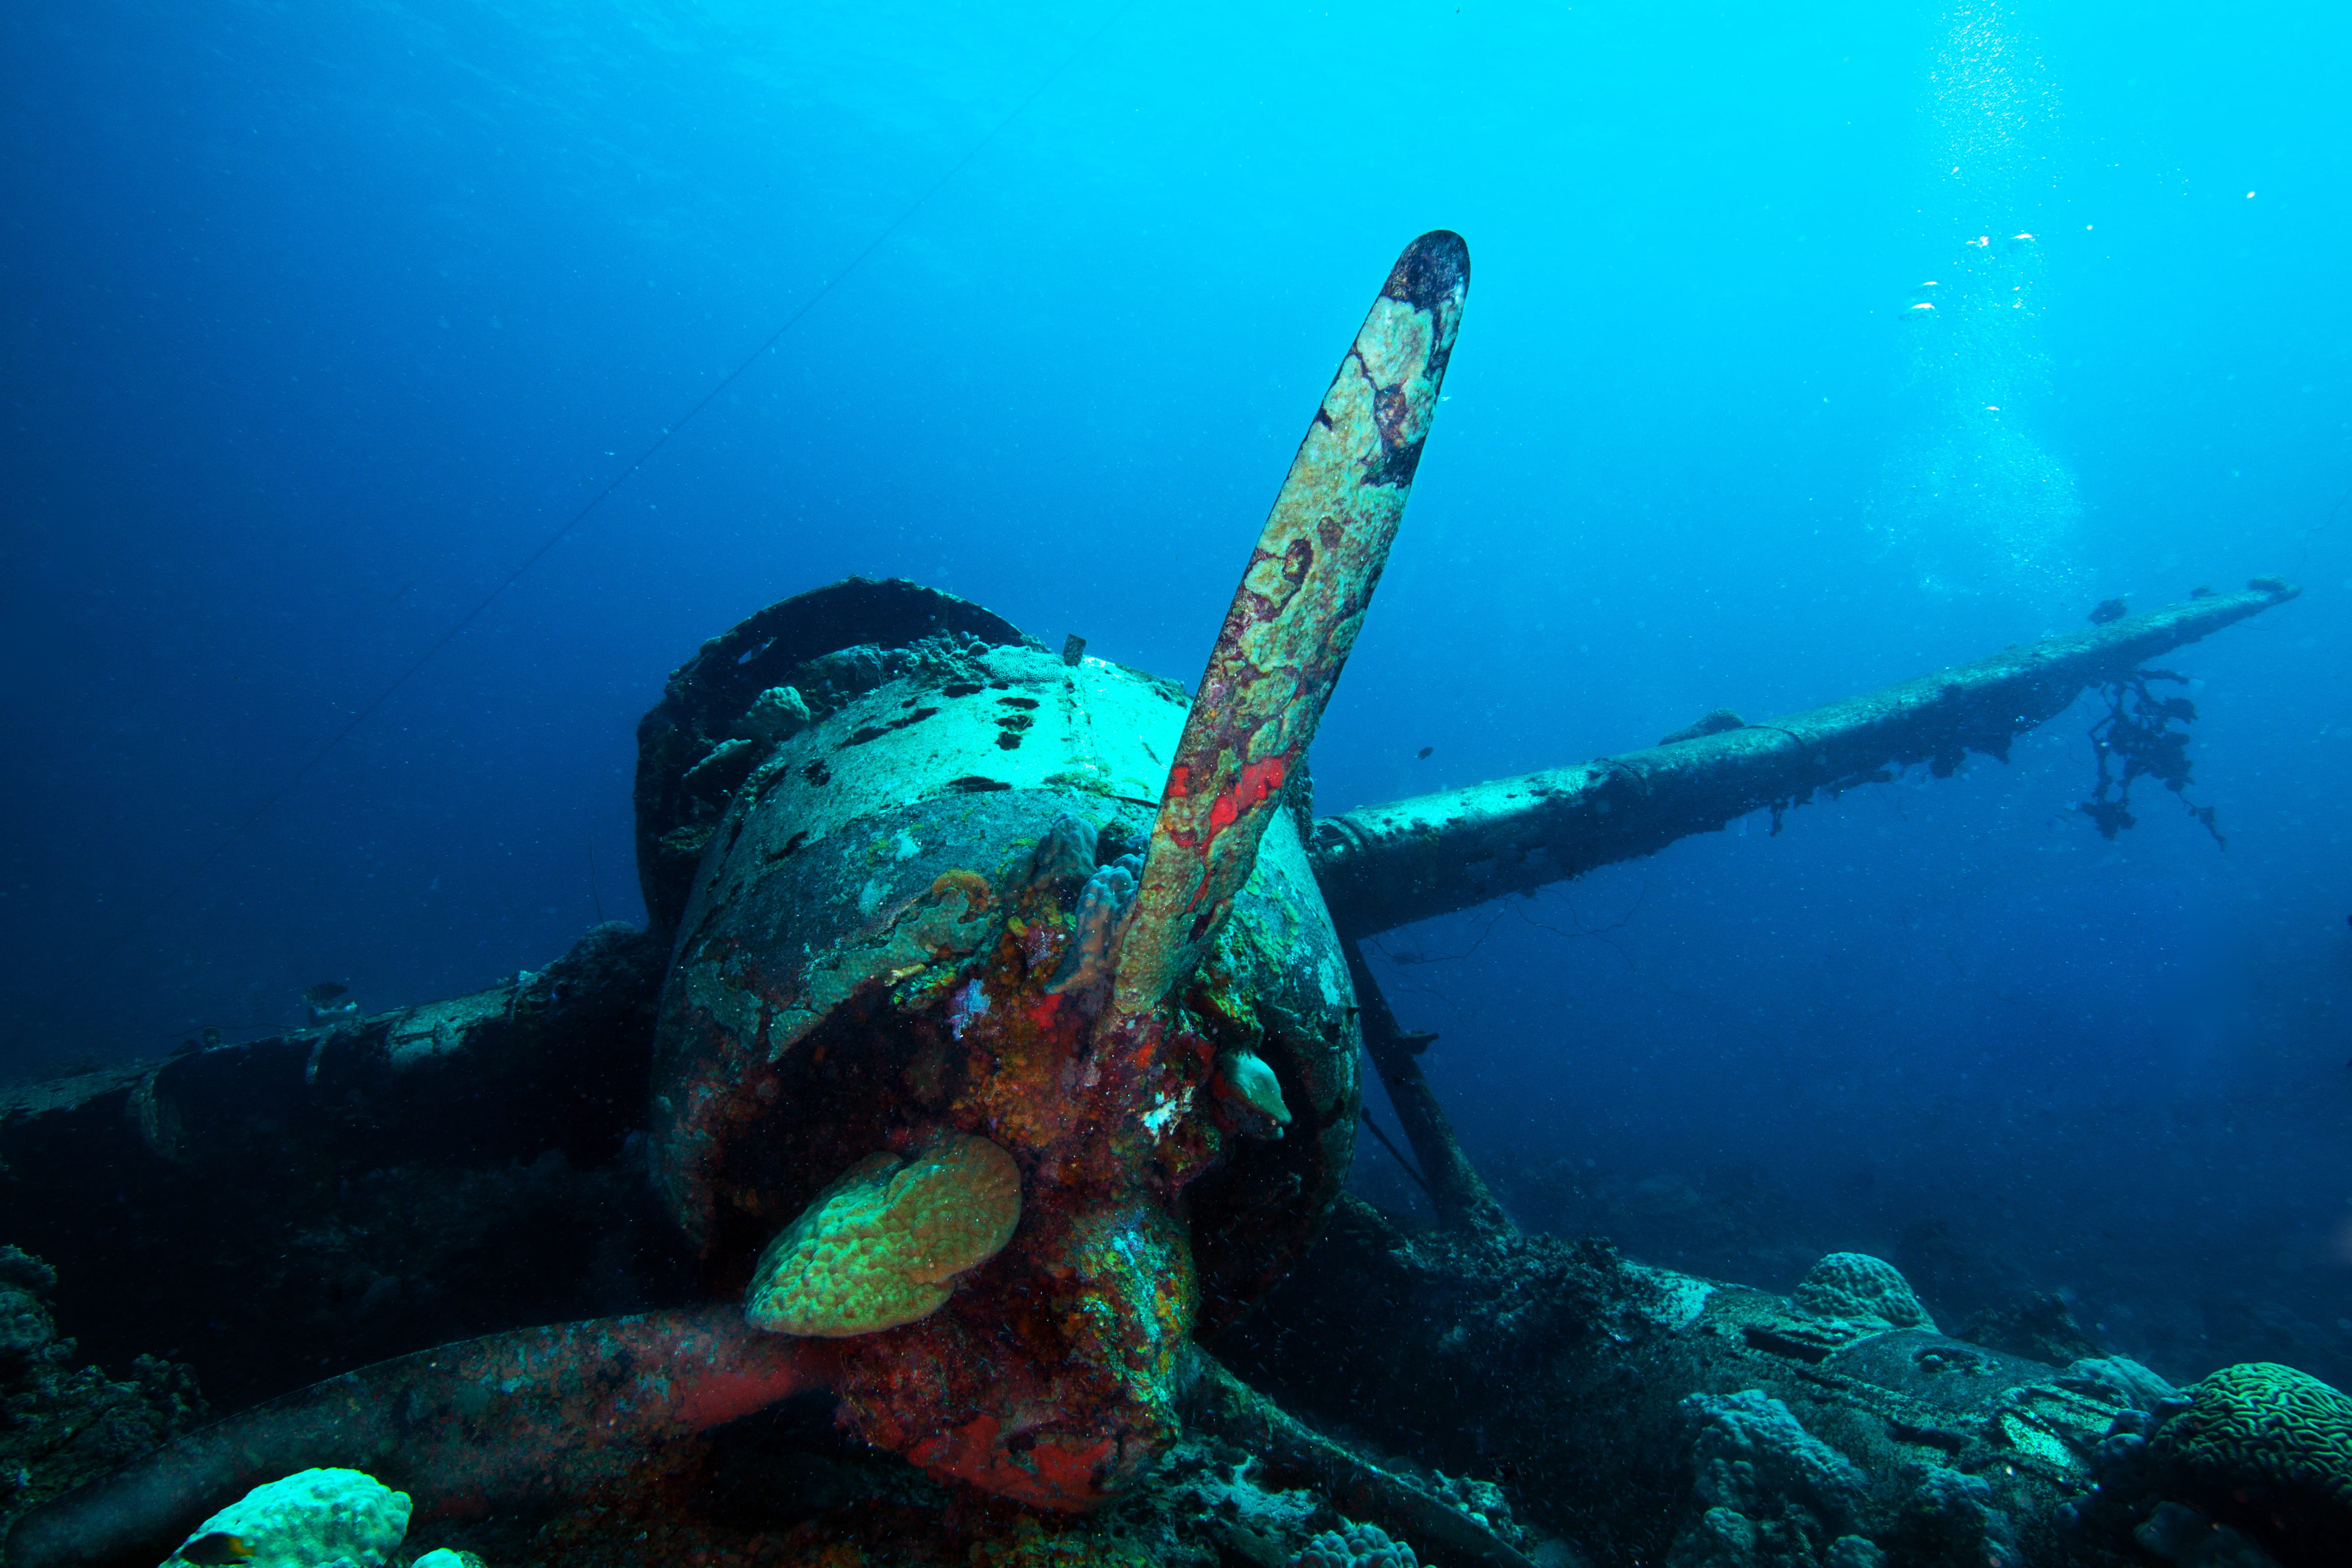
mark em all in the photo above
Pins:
pixel 1160 1117
pixel 1680 1297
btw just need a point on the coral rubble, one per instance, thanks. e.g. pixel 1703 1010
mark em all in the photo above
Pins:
pixel 64 1422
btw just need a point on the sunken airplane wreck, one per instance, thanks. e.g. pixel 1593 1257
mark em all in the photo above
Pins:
pixel 1002 1012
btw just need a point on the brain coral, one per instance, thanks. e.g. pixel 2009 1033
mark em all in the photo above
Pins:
pixel 2268 1446
pixel 1355 1546
pixel 1853 1285
pixel 883 1246
pixel 313 1519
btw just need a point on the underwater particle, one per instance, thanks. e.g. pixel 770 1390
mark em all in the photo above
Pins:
pixel 885 1244
pixel 313 1518
pixel 1244 1080
pixel 776 714
pixel 1857 1286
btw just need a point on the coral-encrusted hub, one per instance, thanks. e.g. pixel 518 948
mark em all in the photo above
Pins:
pixel 883 946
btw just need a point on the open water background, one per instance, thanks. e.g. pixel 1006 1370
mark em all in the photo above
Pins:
pixel 318 319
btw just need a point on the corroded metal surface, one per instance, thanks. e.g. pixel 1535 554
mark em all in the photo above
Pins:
pixel 1386 866
pixel 507 1419
pixel 705 697
pixel 1294 618
pixel 867 959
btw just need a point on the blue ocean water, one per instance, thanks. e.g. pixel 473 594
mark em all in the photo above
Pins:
pixel 322 319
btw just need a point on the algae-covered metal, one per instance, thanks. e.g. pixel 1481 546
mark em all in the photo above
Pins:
pixel 1386 866
pixel 1295 617
pixel 868 862
pixel 865 959
pixel 901 929
pixel 500 1420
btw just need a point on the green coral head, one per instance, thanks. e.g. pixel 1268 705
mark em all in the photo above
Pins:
pixel 887 1242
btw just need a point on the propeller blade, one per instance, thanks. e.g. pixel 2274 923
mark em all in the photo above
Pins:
pixel 1293 620
pixel 529 1415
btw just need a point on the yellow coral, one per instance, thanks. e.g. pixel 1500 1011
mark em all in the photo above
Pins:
pixel 883 1246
